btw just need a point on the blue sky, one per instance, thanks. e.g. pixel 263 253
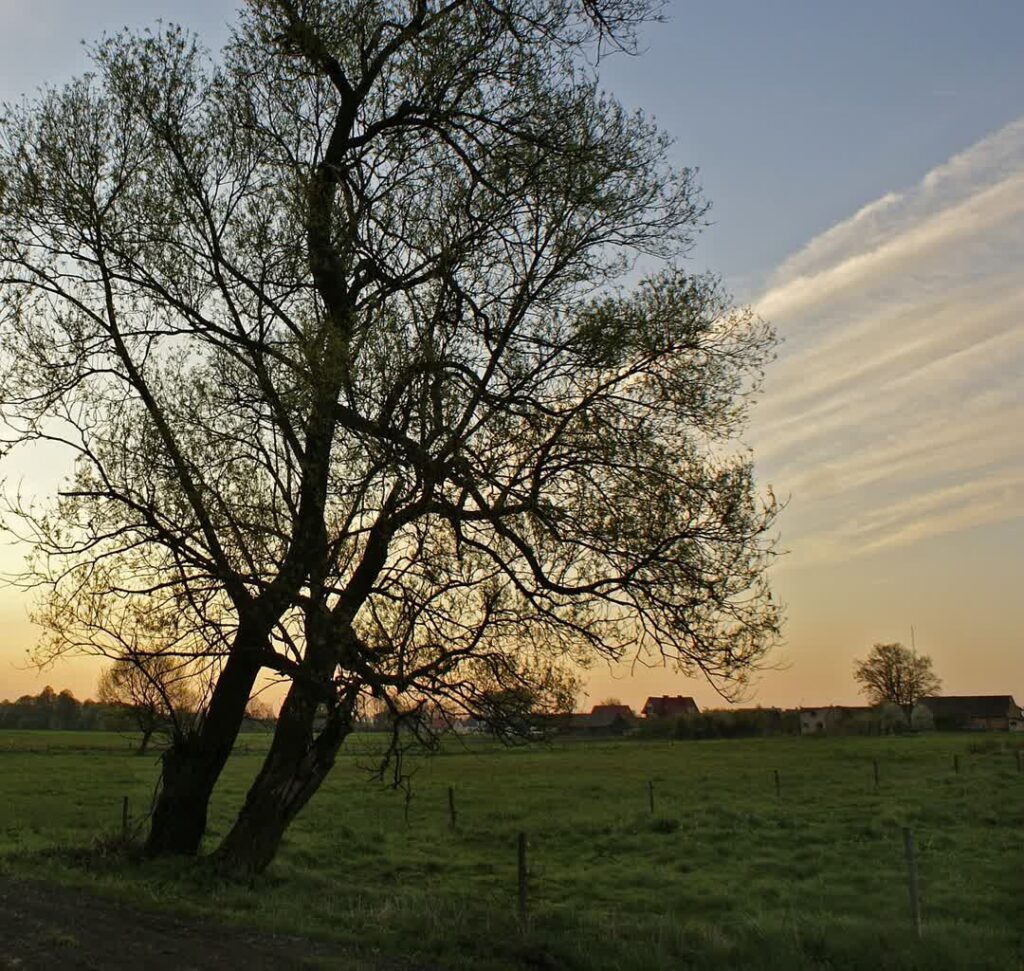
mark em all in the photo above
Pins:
pixel 799 113
pixel 866 168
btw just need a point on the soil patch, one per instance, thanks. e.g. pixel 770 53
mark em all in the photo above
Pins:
pixel 44 926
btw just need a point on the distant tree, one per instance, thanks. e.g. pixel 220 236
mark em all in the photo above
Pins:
pixel 46 705
pixel 259 711
pixel 157 689
pixel 894 673
pixel 66 710
pixel 611 701
pixel 516 711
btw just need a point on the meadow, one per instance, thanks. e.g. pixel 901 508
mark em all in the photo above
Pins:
pixel 725 872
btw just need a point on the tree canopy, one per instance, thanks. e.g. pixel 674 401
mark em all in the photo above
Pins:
pixel 342 332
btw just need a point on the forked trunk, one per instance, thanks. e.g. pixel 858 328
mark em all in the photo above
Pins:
pixel 191 766
pixel 294 768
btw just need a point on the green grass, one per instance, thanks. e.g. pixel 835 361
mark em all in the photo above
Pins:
pixel 722 874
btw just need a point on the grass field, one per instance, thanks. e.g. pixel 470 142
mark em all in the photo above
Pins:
pixel 723 874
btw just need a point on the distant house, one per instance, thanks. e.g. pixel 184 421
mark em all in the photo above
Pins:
pixel 669 706
pixel 831 718
pixel 979 713
pixel 609 720
pixel 601 720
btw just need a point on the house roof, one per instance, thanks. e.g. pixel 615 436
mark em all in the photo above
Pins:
pixel 666 705
pixel 601 715
pixel 972 706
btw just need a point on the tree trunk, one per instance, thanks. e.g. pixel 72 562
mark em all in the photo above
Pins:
pixel 192 765
pixel 297 761
pixel 147 734
pixel 294 769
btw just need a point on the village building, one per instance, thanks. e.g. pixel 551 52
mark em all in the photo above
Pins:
pixel 829 719
pixel 601 720
pixel 979 713
pixel 609 720
pixel 669 706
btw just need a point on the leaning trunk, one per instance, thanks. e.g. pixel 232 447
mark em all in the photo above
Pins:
pixel 294 768
pixel 192 765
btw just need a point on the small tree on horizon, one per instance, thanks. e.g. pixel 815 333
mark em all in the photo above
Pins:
pixel 894 673
pixel 155 688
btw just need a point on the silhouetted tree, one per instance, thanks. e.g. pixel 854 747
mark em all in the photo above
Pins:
pixel 894 673
pixel 66 710
pixel 339 334
pixel 260 713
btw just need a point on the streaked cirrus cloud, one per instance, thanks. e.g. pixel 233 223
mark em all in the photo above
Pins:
pixel 894 412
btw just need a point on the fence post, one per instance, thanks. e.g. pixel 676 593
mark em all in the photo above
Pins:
pixel 451 808
pixel 915 893
pixel 521 868
pixel 650 795
pixel 874 764
pixel 124 819
pixel 778 784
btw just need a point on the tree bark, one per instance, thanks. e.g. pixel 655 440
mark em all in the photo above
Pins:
pixel 298 760
pixel 192 765
pixel 294 768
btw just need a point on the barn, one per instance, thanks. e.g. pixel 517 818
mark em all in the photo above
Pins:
pixel 979 713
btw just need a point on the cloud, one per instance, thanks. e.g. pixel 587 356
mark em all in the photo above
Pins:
pixel 984 164
pixel 978 215
pixel 893 412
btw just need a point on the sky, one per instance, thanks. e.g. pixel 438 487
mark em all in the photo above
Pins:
pixel 865 164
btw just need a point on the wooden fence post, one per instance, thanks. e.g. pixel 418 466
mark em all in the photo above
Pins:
pixel 521 876
pixel 650 795
pixel 874 764
pixel 915 893
pixel 124 819
pixel 451 808
pixel 778 784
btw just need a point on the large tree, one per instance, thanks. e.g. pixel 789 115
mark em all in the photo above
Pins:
pixel 894 673
pixel 341 333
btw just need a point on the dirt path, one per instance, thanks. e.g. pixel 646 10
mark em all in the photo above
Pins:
pixel 44 926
